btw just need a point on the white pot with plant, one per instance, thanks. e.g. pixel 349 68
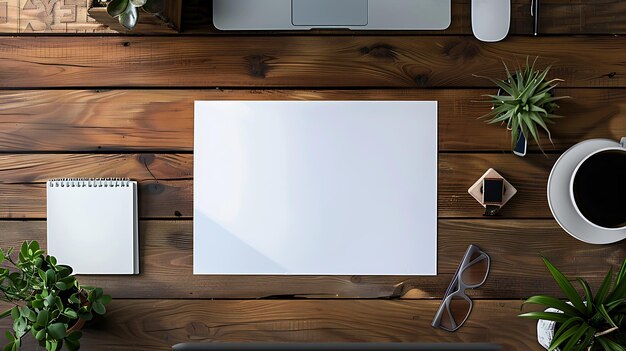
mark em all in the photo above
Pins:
pixel 582 323
pixel 525 102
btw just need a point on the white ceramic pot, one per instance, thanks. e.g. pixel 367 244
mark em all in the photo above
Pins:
pixel 546 330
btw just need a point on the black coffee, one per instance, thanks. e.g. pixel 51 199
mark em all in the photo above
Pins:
pixel 600 189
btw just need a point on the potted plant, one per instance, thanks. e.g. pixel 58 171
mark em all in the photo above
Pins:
pixel 525 102
pixel 126 11
pixel 588 322
pixel 49 303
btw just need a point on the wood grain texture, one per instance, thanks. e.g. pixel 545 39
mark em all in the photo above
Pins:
pixel 159 324
pixel 299 61
pixel 166 184
pixel 162 120
pixel 514 246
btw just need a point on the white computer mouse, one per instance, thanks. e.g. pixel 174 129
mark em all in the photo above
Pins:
pixel 491 19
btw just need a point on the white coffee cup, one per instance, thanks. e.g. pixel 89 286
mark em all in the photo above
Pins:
pixel 621 148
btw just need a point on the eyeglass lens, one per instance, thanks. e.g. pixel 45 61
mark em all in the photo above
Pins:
pixel 458 308
pixel 475 273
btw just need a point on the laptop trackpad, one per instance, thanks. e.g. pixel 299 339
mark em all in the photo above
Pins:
pixel 329 12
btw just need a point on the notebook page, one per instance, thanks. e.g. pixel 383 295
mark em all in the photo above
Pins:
pixel 93 229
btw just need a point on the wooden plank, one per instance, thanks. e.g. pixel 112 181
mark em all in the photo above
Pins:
pixel 514 246
pixel 292 61
pixel 159 324
pixel 166 184
pixel 529 175
pixel 156 120
pixel 165 180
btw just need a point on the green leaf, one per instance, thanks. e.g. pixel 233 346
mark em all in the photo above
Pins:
pixel 15 313
pixel 57 330
pixel 610 345
pixel 604 288
pixel 74 298
pixel 99 308
pixel 42 317
pixel 588 296
pixel 24 250
pixel 70 313
pixel 622 273
pixel 531 126
pixel 33 246
pixel 561 339
pixel 105 299
pixel 64 271
pixel 40 335
pixel 52 345
pixel 51 276
pixel 589 334
pixel 565 326
pixel 48 300
pixel 549 301
pixel 72 345
pixel 42 275
pixel 19 326
pixel 128 19
pixel 117 7
pixel 619 290
pixel 24 311
pixel 549 316
pixel 61 286
pixel 565 286
pixel 606 316
pixel 37 303
pixel 75 335
pixel 580 332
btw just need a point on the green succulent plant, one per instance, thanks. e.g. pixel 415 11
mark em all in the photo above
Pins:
pixel 525 102
pixel 49 303
pixel 127 13
pixel 589 322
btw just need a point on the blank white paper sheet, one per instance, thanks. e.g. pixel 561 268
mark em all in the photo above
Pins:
pixel 315 187
pixel 93 226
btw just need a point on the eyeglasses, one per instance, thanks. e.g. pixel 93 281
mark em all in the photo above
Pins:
pixel 456 306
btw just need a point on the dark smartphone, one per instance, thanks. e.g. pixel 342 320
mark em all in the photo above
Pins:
pixel 521 145
pixel 493 191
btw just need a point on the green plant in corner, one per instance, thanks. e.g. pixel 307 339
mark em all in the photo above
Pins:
pixel 49 303
pixel 525 102
pixel 127 13
pixel 587 322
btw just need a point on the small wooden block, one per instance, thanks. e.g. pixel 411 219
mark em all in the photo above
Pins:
pixel 509 190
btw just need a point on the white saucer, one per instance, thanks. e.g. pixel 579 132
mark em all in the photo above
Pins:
pixel 559 195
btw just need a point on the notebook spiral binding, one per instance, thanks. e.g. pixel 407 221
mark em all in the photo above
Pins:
pixel 89 182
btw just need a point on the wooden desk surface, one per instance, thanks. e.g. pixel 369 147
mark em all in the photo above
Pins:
pixel 122 106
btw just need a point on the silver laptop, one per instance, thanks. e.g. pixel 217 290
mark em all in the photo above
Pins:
pixel 350 14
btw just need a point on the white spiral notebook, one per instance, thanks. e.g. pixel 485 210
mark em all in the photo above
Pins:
pixel 93 225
